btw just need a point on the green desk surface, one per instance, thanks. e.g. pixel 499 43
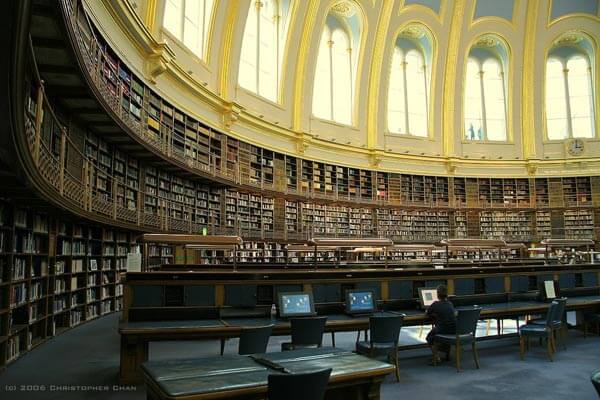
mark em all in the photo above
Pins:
pixel 189 377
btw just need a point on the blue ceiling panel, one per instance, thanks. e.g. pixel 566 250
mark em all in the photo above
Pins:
pixel 564 7
pixel 495 8
pixel 433 4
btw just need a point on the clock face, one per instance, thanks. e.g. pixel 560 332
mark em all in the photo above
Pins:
pixel 575 147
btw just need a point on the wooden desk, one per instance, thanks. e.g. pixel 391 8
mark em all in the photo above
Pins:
pixel 235 377
pixel 135 336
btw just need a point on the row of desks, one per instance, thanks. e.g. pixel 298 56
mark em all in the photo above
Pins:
pixel 135 336
pixel 234 376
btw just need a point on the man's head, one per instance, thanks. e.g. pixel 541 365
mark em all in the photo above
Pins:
pixel 442 292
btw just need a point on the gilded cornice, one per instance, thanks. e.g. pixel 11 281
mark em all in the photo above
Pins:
pixel 374 90
pixel 158 55
pixel 450 77
pixel 528 96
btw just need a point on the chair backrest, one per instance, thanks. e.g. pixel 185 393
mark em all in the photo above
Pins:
pixel 596 381
pixel 385 329
pixel 552 312
pixel 308 331
pixel 466 321
pixel 255 340
pixel 311 385
pixel 560 309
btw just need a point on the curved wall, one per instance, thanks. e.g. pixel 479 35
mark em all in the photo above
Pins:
pixel 208 90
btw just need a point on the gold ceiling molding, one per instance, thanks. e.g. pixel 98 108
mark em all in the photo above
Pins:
pixel 413 31
pixel 230 25
pixel 486 41
pixel 344 9
pixel 528 95
pixel 456 26
pixel 373 91
pixel 309 25
pixel 569 38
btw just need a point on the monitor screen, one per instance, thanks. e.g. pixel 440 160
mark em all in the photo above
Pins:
pixel 297 304
pixel 360 301
pixel 427 296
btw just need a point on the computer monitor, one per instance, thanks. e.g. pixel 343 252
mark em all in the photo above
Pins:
pixel 360 302
pixel 427 296
pixel 296 304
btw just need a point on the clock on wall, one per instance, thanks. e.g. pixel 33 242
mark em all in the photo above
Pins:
pixel 575 147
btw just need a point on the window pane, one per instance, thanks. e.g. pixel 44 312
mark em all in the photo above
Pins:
pixel 417 99
pixel 580 96
pixel 473 112
pixel 192 26
pixel 172 19
pixel 321 104
pixel 495 106
pixel 342 81
pixel 396 106
pixel 248 59
pixel 556 106
pixel 267 78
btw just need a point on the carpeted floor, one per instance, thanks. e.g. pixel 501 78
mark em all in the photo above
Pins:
pixel 83 364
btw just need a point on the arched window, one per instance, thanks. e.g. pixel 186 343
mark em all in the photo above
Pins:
pixel 569 98
pixel 333 91
pixel 262 47
pixel 189 21
pixel 409 86
pixel 485 92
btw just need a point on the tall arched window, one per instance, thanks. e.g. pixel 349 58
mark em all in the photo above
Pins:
pixel 485 92
pixel 333 91
pixel 189 21
pixel 569 96
pixel 409 86
pixel 262 47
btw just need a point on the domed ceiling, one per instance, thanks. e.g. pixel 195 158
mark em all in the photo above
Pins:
pixel 424 86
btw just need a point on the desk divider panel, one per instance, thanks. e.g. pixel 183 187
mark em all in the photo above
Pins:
pixel 148 296
pixel 199 295
pixel 240 295
pixel 327 293
pixel 435 283
pixel 374 286
pixel 544 277
pixel 494 284
pixel 589 279
pixel 519 283
pixel 285 288
pixel 400 290
pixel 566 281
pixel 464 287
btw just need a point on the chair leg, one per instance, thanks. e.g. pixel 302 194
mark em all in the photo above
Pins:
pixel 435 353
pixel 550 340
pixel 397 365
pixel 332 338
pixel 421 332
pixel 223 346
pixel 458 351
pixel 475 354
pixel 521 347
pixel 487 327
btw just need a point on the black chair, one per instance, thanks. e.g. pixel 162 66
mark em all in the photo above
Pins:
pixel 559 324
pixel 306 332
pixel 385 332
pixel 311 385
pixel 540 331
pixel 596 381
pixel 466 330
pixel 254 340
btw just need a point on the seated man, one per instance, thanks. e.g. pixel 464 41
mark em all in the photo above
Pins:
pixel 443 314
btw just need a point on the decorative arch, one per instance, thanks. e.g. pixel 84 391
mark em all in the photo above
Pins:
pixel 485 101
